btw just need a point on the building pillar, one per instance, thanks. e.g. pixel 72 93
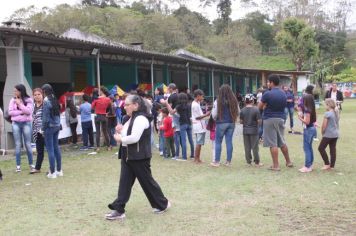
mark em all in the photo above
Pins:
pixel 90 68
pixel 264 78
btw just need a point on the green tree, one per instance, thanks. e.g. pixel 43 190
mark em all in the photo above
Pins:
pixel 297 38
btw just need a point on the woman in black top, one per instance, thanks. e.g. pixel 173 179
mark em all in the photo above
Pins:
pixel 135 154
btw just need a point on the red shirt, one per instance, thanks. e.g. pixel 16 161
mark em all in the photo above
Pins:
pixel 167 127
pixel 100 105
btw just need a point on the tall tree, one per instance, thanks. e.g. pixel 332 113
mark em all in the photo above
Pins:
pixel 297 38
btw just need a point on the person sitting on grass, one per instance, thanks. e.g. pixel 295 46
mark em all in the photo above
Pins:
pixel 168 133
pixel 250 117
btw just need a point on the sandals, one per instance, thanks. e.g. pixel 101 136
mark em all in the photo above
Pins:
pixel 290 165
pixel 274 169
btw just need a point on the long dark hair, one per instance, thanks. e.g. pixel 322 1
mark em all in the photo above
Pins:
pixel 48 92
pixel 227 98
pixel 309 104
pixel 22 89
pixel 72 108
pixel 105 91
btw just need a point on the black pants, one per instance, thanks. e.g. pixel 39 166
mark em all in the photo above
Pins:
pixel 141 170
pixel 73 129
pixel 101 126
pixel 40 144
pixel 332 147
pixel 169 147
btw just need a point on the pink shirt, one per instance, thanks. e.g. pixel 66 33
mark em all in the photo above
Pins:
pixel 21 113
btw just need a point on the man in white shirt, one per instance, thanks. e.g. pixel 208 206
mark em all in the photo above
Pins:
pixel 336 95
pixel 199 126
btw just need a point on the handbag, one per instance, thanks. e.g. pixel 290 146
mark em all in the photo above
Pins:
pixel 7 116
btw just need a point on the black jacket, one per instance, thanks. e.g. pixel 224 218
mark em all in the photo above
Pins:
pixel 140 150
pixel 339 95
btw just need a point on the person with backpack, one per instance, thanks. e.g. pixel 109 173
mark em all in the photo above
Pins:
pixel 71 113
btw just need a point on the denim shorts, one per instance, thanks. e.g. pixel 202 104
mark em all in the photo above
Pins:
pixel 200 138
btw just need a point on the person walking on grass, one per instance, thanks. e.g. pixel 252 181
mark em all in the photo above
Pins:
pixel 211 126
pixel 250 118
pixel 330 133
pixel 100 107
pixel 87 124
pixel 308 118
pixel 289 110
pixel 225 112
pixel 273 102
pixel 199 125
pixel 168 133
pixel 135 153
pixel 37 135
pixel 71 114
pixel 50 127
pixel 20 110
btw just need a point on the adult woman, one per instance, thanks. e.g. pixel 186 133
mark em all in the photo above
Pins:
pixel 135 154
pixel 36 129
pixel 71 119
pixel 225 112
pixel 100 106
pixel 20 110
pixel 50 127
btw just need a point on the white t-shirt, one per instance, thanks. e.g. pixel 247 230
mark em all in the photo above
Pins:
pixel 333 95
pixel 140 124
pixel 198 125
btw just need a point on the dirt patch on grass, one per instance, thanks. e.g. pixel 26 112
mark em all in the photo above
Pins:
pixel 316 221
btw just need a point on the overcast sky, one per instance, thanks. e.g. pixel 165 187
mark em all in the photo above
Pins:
pixel 210 12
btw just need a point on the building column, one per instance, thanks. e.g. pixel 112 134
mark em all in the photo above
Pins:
pixel 264 78
pixel 15 67
pixel 135 72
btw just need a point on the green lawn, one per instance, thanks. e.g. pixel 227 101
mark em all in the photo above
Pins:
pixel 239 200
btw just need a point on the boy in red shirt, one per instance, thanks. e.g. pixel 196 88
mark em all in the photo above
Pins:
pixel 168 134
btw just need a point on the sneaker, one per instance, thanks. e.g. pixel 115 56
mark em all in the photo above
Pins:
pixel 215 164
pixel 59 173
pixel 305 169
pixel 91 147
pixel 158 211
pixel 228 163
pixel 258 164
pixel 18 168
pixel 161 153
pixel 83 148
pixel 316 139
pixel 35 171
pixel 115 215
pixel 32 167
pixel 175 158
pixel 181 159
pixel 52 176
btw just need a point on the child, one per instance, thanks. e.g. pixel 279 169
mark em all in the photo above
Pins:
pixel 212 127
pixel 72 120
pixel 308 119
pixel 87 125
pixel 160 134
pixel 168 134
pixel 250 117
pixel 177 139
pixel 198 123
pixel 112 121
pixel 330 132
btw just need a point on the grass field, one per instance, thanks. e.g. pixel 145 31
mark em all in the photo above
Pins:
pixel 237 200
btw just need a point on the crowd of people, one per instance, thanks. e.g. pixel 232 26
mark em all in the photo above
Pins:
pixel 132 120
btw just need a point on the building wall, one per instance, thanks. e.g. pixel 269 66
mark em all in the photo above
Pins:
pixel 55 71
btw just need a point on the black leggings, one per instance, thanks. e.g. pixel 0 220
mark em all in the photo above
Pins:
pixel 332 146
pixel 73 129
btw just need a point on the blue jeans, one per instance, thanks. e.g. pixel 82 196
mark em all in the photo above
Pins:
pixel 186 130
pixel 227 130
pixel 290 111
pixel 22 129
pixel 52 146
pixel 308 136
pixel 177 142
pixel 87 134
pixel 112 140
pixel 161 141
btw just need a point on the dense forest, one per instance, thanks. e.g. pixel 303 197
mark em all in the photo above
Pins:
pixel 294 35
